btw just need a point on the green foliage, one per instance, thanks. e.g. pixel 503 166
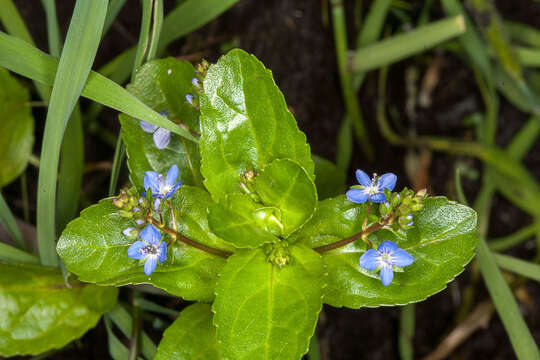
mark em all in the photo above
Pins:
pixel 93 247
pixel 191 336
pixel 17 136
pixel 266 312
pixel 442 242
pixel 163 85
pixel 38 312
pixel 245 124
pixel 329 178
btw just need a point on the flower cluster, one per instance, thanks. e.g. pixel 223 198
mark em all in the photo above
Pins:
pixel 150 248
pixel 395 213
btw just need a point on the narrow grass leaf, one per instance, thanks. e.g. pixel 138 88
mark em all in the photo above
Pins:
pixel 518 266
pixel 406 332
pixel 523 33
pixel 12 254
pixel 13 22
pixel 112 12
pixel 144 35
pixel 507 242
pixel 401 46
pixel 7 220
pixel 75 63
pixel 53 31
pixel 24 59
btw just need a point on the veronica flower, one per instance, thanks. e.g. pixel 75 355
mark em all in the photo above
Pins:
pixel 385 258
pixel 161 136
pixel 150 248
pixel 371 189
pixel 162 188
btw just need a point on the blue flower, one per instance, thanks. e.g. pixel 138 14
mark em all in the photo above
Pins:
pixel 385 258
pixel 162 188
pixel 161 136
pixel 151 249
pixel 371 189
pixel 189 98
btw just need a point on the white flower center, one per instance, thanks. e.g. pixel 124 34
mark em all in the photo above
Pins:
pixel 386 260
pixel 150 250
pixel 372 189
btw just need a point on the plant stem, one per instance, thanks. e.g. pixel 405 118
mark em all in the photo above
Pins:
pixel 187 241
pixel 173 217
pixel 350 239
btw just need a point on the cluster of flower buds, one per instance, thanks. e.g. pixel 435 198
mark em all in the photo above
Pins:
pixel 200 72
pixel 278 253
pixel 131 206
pixel 402 204
pixel 247 182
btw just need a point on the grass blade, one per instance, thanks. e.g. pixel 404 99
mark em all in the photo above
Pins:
pixel 401 46
pixel 528 56
pixel 8 221
pixel 143 44
pixel 77 57
pixel 117 349
pixel 523 33
pixel 119 154
pixel 53 32
pixel 24 59
pixel 157 23
pixel 522 341
pixel 112 12
pixel 521 267
pixel 508 242
pixel 406 332
pixel 351 101
pixel 10 253
pixel 122 319
pixel 373 25
pixel 71 171
pixel 13 22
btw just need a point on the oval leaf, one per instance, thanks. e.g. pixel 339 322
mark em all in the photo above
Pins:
pixel 38 312
pixel 17 129
pixel 264 312
pixel 285 185
pixel 442 242
pixel 93 247
pixel 245 124
pixel 191 336
pixel 163 85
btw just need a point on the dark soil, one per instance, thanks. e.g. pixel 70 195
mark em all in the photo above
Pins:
pixel 290 38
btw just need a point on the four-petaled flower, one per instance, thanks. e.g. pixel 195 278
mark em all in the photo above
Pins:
pixel 161 136
pixel 150 248
pixel 385 258
pixel 162 188
pixel 371 189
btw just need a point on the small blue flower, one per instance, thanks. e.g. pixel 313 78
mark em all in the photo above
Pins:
pixel 161 136
pixel 130 232
pixel 371 189
pixel 161 187
pixel 385 258
pixel 189 98
pixel 151 249
pixel 195 83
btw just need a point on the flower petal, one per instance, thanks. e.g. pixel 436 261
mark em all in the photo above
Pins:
pixel 147 127
pixel 128 231
pixel 161 138
pixel 357 196
pixel 363 178
pixel 150 265
pixel 162 252
pixel 370 260
pixel 172 175
pixel 377 198
pixel 402 258
pixel 387 246
pixel 157 202
pixel 134 250
pixel 151 235
pixel 151 181
pixel 387 181
pixel 386 276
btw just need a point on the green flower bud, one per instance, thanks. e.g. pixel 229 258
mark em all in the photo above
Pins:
pixel 269 218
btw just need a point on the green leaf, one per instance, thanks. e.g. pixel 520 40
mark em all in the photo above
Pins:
pixel 442 242
pixel 163 85
pixel 38 312
pixel 93 247
pixel 329 178
pixel 286 186
pixel 17 136
pixel 264 312
pixel 191 336
pixel 235 220
pixel 245 124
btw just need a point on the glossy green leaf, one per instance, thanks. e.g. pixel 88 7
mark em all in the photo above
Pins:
pixel 266 312
pixel 235 219
pixel 163 86
pixel 191 336
pixel 286 186
pixel 329 178
pixel 93 247
pixel 245 124
pixel 38 312
pixel 442 242
pixel 17 128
